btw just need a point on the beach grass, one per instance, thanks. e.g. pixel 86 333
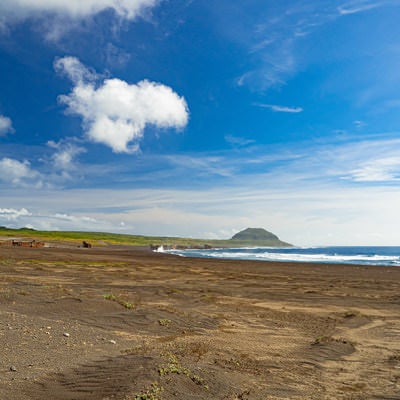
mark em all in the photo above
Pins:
pixel 104 238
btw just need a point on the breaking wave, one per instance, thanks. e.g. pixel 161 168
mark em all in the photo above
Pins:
pixel 332 255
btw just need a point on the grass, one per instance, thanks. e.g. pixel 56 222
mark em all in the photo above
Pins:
pixel 164 322
pixel 119 300
pixel 102 238
pixel 174 367
pixel 151 394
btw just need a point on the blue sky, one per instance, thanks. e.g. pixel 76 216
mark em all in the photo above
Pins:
pixel 195 118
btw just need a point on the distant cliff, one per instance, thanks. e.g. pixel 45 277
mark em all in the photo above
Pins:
pixel 258 237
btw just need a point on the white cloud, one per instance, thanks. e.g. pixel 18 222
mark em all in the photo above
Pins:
pixel 5 125
pixel 320 214
pixel 238 141
pixel 284 109
pixel 127 9
pixel 75 70
pixel 16 218
pixel 19 173
pixel 378 170
pixel 12 214
pixel 66 152
pixel 357 6
pixel 202 166
pixel 55 18
pixel 74 218
pixel 116 113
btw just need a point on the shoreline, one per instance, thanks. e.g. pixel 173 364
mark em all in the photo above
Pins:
pixel 334 255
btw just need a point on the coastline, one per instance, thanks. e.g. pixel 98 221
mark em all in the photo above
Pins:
pixel 351 255
pixel 234 329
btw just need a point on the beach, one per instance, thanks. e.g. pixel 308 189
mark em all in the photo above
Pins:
pixel 124 323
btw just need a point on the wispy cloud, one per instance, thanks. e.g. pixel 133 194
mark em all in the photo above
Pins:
pixel 202 165
pixel 5 125
pixel 356 215
pixel 385 170
pixel 19 173
pixel 277 108
pixel 238 141
pixel 357 6
pixel 64 157
pixel 347 190
pixel 279 44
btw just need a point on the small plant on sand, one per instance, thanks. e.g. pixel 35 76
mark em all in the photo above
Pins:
pixel 152 394
pixel 322 339
pixel 119 300
pixel 126 304
pixel 351 314
pixel 174 367
pixel 164 322
pixel 110 296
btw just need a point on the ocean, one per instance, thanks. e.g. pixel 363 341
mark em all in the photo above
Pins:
pixel 388 256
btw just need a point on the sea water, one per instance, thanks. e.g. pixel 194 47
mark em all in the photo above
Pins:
pixel 389 256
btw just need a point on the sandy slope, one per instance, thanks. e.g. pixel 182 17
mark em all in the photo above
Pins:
pixel 152 326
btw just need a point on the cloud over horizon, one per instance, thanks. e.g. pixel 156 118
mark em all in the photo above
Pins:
pixel 116 113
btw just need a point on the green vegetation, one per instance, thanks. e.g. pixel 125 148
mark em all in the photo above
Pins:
pixel 164 322
pixel 322 339
pixel 254 234
pixel 152 394
pixel 104 238
pixel 258 235
pixel 119 300
pixel 175 367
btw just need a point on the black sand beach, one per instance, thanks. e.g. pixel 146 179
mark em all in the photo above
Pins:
pixel 125 323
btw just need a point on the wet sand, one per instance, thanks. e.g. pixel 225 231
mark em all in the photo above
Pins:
pixel 125 323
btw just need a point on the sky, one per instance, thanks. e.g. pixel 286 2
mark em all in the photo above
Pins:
pixel 199 119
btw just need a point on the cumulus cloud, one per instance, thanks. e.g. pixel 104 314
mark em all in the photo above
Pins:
pixel 127 9
pixel 18 173
pixel 54 18
pixel 35 219
pixel 5 125
pixel 12 214
pixel 116 113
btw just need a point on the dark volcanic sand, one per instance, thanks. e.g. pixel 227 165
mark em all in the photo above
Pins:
pixel 153 326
